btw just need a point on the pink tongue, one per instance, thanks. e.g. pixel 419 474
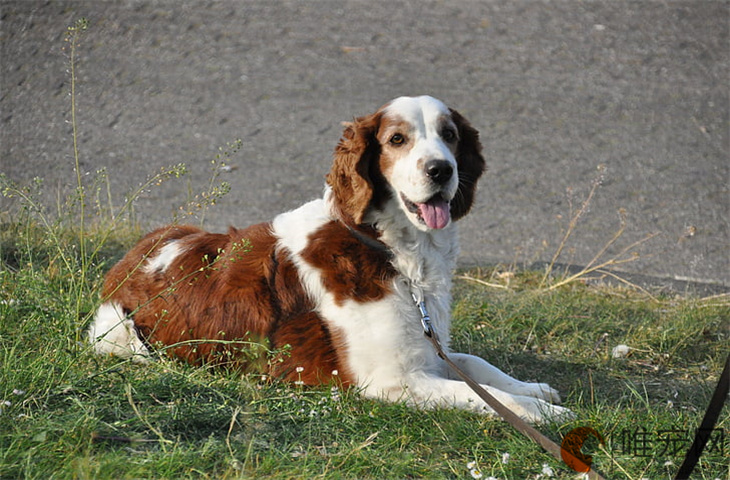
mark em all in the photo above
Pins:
pixel 435 213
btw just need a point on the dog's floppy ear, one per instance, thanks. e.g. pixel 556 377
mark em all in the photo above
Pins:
pixel 350 177
pixel 470 164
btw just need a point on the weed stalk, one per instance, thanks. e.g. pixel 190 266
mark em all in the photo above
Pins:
pixel 596 264
pixel 73 35
pixel 574 218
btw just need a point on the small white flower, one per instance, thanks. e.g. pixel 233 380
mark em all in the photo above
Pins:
pixel 473 470
pixel 300 369
pixel 18 392
pixel 335 394
pixel 547 470
pixel 335 373
pixel 669 463
pixel 505 458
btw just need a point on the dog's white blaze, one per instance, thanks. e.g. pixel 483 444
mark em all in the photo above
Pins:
pixel 420 112
pixel 426 115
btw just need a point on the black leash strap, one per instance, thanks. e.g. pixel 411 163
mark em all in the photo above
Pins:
pixel 708 424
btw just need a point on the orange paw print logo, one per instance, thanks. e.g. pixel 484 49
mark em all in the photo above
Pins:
pixel 570 448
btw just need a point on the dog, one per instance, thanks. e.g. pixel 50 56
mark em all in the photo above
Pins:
pixel 329 287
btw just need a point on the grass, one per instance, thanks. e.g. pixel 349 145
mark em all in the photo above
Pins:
pixel 66 413
pixel 71 414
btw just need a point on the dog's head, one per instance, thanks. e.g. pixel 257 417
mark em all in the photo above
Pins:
pixel 414 152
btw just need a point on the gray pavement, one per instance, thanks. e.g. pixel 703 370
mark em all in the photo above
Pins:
pixel 555 88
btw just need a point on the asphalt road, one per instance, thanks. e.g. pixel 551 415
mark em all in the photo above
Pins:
pixel 556 89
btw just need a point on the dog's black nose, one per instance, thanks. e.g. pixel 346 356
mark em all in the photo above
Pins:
pixel 439 171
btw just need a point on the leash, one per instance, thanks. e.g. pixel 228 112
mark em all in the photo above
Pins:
pixel 508 415
pixel 708 424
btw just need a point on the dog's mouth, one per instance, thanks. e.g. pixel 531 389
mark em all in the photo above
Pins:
pixel 435 212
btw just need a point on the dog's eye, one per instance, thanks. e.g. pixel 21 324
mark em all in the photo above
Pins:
pixel 397 139
pixel 448 135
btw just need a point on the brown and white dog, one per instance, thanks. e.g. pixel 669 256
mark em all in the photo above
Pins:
pixel 330 284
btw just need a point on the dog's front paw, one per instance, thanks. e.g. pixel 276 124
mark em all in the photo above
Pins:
pixel 543 391
pixel 538 411
pixel 531 409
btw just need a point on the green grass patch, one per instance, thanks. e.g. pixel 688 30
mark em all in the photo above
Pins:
pixel 67 413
